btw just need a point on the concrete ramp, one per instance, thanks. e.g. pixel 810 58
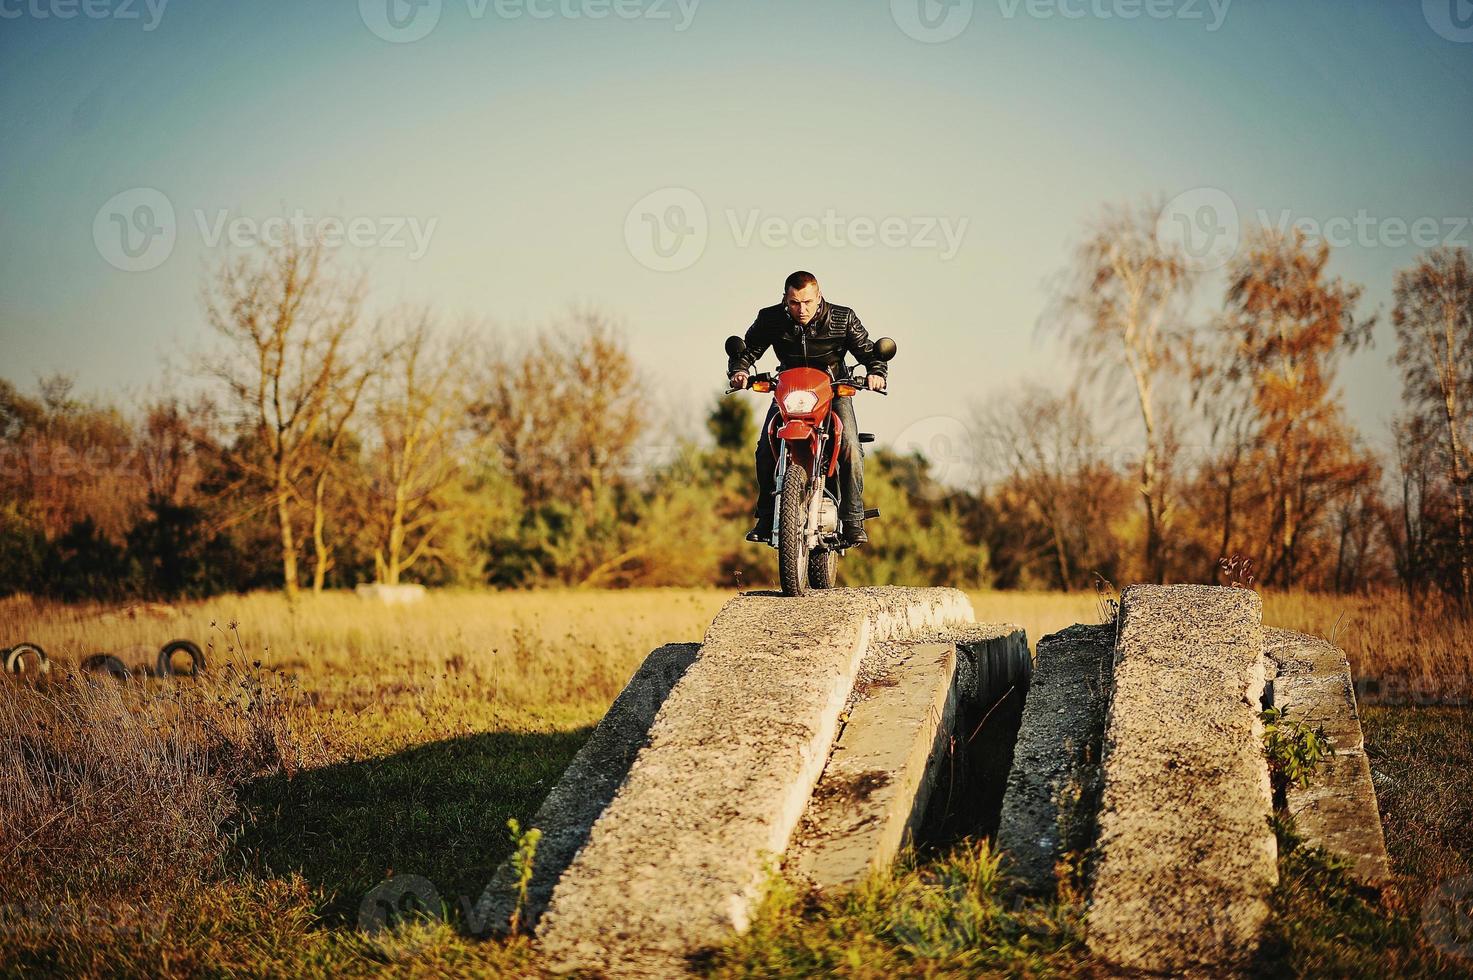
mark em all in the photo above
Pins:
pixel 1337 810
pixel 1186 851
pixel 677 858
pixel 585 789
pixel 903 739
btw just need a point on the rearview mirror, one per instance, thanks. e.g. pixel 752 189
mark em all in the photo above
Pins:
pixel 735 346
pixel 884 348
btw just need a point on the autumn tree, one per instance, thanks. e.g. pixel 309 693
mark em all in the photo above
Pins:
pixel 1042 449
pixel 64 460
pixel 291 328
pixel 1123 306
pixel 564 412
pixel 1292 324
pixel 1222 392
pixel 420 429
pixel 1433 317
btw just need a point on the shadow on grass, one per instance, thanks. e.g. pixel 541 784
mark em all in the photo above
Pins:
pixel 438 811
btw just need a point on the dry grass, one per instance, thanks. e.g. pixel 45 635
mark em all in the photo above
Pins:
pixel 1399 653
pixel 233 824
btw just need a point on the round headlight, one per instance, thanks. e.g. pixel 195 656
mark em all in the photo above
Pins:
pixel 798 402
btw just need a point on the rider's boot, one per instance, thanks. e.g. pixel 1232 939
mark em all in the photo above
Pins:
pixel 762 530
pixel 854 535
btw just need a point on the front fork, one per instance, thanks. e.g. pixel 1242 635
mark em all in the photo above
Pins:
pixel 816 483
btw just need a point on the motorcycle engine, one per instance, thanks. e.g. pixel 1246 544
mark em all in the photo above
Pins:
pixel 828 515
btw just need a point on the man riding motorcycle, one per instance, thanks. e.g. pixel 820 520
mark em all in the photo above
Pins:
pixel 806 330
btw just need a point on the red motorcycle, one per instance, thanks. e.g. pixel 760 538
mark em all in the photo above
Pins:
pixel 807 436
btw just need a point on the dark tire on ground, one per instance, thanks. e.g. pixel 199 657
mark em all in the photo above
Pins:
pixel 823 569
pixel 106 663
pixel 792 544
pixel 165 667
pixel 16 657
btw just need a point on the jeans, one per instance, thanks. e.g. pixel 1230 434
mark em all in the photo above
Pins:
pixel 851 466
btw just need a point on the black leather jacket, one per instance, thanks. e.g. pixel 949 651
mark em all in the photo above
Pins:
pixel 834 331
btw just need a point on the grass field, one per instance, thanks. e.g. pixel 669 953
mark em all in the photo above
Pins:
pixel 233 824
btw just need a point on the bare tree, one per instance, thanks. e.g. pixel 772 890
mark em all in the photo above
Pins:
pixel 563 412
pixel 1043 447
pixel 290 323
pixel 1123 306
pixel 1221 386
pixel 174 444
pixel 1410 531
pixel 419 411
pixel 1434 333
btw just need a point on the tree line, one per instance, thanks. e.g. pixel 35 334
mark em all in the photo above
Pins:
pixel 1233 446
pixel 332 447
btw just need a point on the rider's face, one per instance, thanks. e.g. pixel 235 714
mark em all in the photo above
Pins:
pixel 803 303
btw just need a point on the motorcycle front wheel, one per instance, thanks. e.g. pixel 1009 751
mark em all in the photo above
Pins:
pixel 792 537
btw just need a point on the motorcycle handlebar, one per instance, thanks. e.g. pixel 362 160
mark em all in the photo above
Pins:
pixel 859 383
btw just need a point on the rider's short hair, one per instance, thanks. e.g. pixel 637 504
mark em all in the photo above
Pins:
pixel 800 281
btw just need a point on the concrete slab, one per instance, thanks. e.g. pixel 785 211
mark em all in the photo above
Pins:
pixel 1186 856
pixel 1053 786
pixel 678 857
pixel 878 781
pixel 1337 810
pixel 904 739
pixel 585 789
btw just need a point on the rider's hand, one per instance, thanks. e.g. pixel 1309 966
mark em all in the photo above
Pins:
pixel 876 382
pixel 738 379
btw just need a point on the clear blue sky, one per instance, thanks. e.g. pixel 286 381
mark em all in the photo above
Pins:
pixel 527 140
